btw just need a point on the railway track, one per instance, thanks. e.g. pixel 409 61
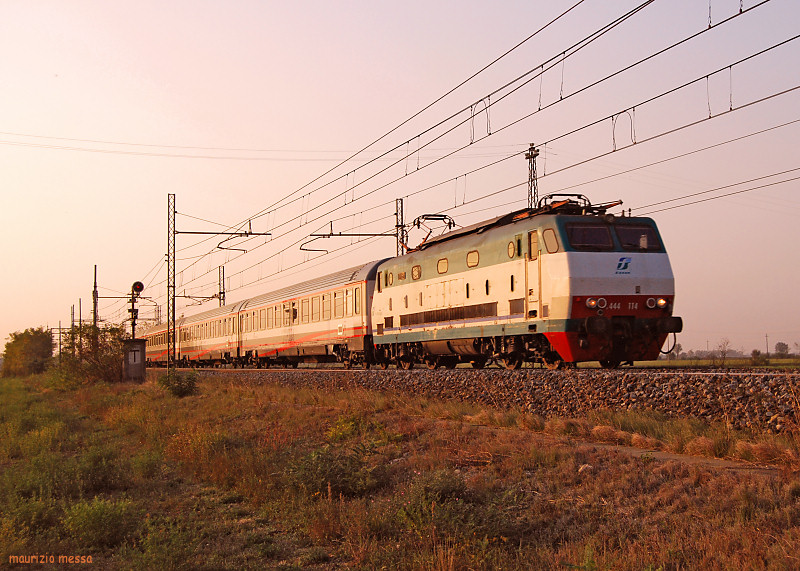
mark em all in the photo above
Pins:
pixel 744 399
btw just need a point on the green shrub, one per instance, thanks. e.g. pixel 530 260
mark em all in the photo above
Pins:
pixel 100 523
pixel 179 384
pixel 339 471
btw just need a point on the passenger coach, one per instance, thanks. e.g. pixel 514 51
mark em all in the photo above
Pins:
pixel 326 319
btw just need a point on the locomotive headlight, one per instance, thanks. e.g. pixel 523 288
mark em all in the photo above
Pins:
pixel 601 302
pixel 651 303
pixel 662 303
pixel 591 303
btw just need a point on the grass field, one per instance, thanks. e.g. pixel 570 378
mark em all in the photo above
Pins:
pixel 240 476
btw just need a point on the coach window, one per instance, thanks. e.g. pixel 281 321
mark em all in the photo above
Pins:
pixel 326 307
pixel 295 313
pixel 550 240
pixel 473 258
pixel 305 310
pixel 441 266
pixel 270 318
pixel 315 308
pixel 357 300
pixel 416 272
pixel 348 301
pixel 287 315
pixel 338 304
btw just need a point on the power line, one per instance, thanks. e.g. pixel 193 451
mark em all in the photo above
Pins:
pixel 407 155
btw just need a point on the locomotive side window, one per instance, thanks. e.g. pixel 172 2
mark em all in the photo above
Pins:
pixel 550 240
pixel 638 237
pixel 357 300
pixel 416 272
pixel 441 266
pixel 590 237
pixel 380 275
pixel 315 308
pixel 533 245
pixel 473 258
pixel 326 306
pixel 390 278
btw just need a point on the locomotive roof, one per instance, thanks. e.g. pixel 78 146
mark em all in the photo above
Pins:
pixel 581 207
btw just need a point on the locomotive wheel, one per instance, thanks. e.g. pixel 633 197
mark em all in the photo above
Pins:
pixel 432 363
pixel 553 364
pixel 478 363
pixel 384 365
pixel 610 363
pixel 512 363
pixel 406 364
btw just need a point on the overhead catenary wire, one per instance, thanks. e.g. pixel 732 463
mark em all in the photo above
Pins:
pixel 606 118
pixel 512 155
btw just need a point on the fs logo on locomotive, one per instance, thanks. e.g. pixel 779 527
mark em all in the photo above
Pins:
pixel 623 264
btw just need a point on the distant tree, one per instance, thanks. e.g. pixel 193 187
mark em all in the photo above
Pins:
pixel 722 350
pixel 93 354
pixel 758 358
pixel 781 349
pixel 28 353
pixel 676 351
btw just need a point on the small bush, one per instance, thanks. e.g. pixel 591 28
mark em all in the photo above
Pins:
pixel 180 384
pixel 340 471
pixel 100 523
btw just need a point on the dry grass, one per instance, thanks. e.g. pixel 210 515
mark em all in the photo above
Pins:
pixel 322 479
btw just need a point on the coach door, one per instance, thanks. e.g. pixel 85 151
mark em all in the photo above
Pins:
pixel 533 281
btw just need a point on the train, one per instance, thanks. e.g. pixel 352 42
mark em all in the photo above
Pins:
pixel 561 283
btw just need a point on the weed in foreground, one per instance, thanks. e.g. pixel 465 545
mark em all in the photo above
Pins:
pixel 179 384
pixel 100 523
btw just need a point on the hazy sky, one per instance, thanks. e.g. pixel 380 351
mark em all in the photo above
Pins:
pixel 108 106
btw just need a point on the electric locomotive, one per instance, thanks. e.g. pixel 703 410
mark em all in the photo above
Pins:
pixel 558 284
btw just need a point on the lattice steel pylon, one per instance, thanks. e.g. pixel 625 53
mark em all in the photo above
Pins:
pixel 171 341
pixel 533 186
pixel 400 227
